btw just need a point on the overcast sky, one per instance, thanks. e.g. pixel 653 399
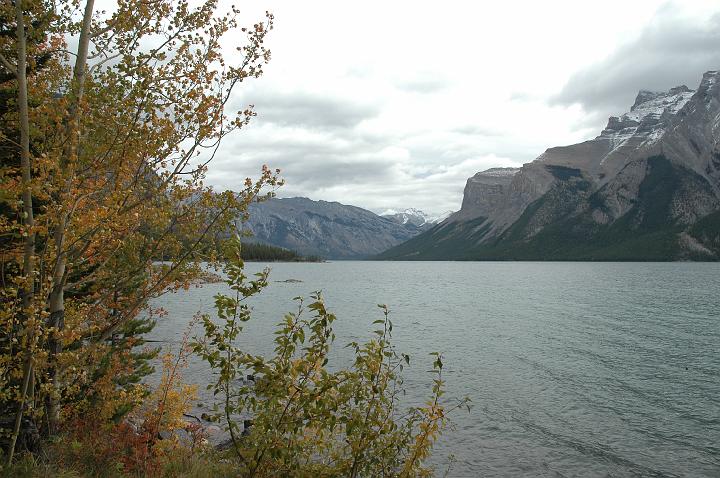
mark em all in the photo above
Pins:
pixel 394 104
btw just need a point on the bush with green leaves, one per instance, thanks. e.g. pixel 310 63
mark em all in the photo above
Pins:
pixel 309 420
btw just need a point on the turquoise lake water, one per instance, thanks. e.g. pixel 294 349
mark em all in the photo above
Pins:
pixel 574 369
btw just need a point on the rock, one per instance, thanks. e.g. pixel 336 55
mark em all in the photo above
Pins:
pixel 224 445
pixel 182 436
pixel 247 425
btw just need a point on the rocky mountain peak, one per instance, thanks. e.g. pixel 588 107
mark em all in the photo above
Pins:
pixel 680 89
pixel 709 78
pixel 656 103
pixel 642 126
pixel 644 96
pixel 414 217
pixel 659 97
pixel 679 124
pixel 710 88
pixel 646 188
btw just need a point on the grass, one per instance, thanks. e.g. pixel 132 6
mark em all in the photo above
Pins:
pixel 53 462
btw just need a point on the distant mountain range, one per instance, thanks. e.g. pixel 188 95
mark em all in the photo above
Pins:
pixel 415 217
pixel 332 230
pixel 647 188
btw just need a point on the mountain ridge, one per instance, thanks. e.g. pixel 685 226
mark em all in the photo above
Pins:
pixel 326 229
pixel 652 170
pixel 415 217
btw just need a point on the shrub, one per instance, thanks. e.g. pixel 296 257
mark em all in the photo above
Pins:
pixel 308 420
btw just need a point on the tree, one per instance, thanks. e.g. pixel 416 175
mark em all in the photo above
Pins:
pixel 123 129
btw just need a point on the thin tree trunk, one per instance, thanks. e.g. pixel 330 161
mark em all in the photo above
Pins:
pixel 27 372
pixel 56 300
pixel 28 287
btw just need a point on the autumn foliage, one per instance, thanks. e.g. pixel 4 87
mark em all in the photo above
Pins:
pixel 104 152
pixel 105 141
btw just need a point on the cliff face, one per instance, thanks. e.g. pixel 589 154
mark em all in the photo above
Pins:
pixel 653 169
pixel 327 229
pixel 484 193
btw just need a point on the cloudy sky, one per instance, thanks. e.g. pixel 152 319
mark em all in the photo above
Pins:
pixel 394 104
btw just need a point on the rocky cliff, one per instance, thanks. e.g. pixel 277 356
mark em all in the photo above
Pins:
pixel 646 188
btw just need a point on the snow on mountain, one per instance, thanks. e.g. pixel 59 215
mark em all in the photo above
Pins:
pixel 647 118
pixel 410 216
pixel 657 103
pixel 415 217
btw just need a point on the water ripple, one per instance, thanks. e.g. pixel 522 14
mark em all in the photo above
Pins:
pixel 576 369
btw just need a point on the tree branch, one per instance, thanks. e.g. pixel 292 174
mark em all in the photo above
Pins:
pixel 8 65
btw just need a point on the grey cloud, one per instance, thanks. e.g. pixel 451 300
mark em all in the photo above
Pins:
pixel 475 130
pixel 670 51
pixel 455 150
pixel 308 110
pixel 306 165
pixel 423 84
pixel 362 169
pixel 353 172
pixel 323 155
pixel 310 175
pixel 522 96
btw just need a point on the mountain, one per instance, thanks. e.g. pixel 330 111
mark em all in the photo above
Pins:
pixel 415 217
pixel 326 229
pixel 646 188
pixel 412 216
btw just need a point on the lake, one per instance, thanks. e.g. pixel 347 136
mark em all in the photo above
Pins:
pixel 574 369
